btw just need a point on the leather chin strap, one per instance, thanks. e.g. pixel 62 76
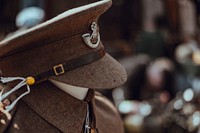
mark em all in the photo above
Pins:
pixel 70 65
pixel 55 71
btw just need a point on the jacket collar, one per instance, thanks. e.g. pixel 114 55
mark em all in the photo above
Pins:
pixel 57 107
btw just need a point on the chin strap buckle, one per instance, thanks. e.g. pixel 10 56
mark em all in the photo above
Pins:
pixel 59 69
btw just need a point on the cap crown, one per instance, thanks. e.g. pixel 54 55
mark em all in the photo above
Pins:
pixel 50 43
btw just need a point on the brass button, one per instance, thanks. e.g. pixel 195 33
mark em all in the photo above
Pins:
pixel 30 80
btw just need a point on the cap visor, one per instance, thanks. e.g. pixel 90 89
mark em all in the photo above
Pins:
pixel 105 73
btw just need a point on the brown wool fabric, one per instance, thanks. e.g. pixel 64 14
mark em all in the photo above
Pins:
pixel 56 41
pixel 55 111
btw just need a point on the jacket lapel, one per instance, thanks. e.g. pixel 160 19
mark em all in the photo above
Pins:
pixel 57 107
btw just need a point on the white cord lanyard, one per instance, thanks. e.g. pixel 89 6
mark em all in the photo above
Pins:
pixel 24 82
pixel 87 121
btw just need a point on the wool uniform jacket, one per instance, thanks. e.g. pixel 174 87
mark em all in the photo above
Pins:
pixel 47 109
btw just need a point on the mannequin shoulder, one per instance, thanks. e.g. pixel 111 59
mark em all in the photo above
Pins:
pixel 102 101
pixel 107 116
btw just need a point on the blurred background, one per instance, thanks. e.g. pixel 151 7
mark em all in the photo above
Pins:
pixel 158 43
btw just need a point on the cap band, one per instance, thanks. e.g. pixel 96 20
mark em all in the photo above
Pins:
pixel 70 65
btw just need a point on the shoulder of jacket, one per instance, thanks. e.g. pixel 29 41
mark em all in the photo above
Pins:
pixel 101 99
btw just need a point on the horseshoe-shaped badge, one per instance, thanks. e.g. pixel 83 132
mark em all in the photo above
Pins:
pixel 92 40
